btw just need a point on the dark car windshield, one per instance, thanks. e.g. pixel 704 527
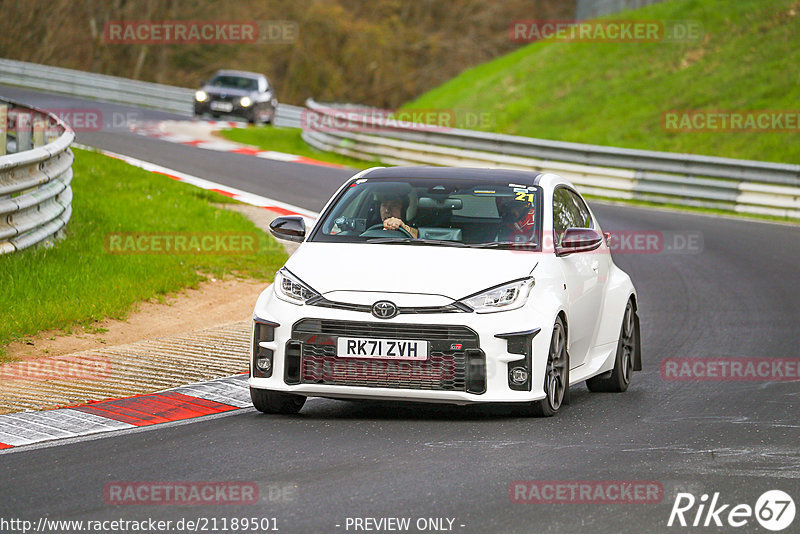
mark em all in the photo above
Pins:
pixel 419 211
pixel 234 82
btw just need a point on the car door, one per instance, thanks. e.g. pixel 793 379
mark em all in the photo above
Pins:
pixel 585 274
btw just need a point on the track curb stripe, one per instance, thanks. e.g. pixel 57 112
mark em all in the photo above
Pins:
pixel 217 396
pixel 156 130
pixel 145 410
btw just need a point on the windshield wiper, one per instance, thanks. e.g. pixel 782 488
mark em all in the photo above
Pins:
pixel 413 241
pixel 508 244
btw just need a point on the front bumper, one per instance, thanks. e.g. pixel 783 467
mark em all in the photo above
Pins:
pixel 258 110
pixel 468 363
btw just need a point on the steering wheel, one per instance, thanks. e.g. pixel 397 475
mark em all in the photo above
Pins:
pixel 388 233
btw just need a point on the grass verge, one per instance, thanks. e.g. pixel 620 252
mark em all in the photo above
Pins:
pixel 616 93
pixel 77 281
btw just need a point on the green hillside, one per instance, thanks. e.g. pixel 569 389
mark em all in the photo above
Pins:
pixel 614 93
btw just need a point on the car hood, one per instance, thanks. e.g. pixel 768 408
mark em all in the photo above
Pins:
pixel 394 268
pixel 227 91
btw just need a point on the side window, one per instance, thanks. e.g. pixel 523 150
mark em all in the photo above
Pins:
pixel 581 216
pixel 563 214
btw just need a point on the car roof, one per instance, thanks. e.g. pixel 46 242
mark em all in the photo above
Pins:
pixel 242 73
pixel 453 173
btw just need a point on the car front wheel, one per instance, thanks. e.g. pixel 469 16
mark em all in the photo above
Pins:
pixel 556 377
pixel 275 402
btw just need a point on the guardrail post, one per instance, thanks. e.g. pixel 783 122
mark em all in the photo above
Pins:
pixel 3 128
pixel 38 131
pixel 23 132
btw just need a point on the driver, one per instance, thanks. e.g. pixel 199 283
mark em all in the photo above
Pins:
pixel 391 211
pixel 518 219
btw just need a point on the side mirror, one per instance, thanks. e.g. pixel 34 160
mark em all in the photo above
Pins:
pixel 290 228
pixel 579 240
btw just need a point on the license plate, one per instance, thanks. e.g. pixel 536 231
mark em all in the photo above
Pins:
pixel 221 106
pixel 388 349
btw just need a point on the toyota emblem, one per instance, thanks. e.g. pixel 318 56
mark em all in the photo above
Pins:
pixel 383 309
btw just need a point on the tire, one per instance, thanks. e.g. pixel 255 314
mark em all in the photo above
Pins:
pixel 620 377
pixel 556 378
pixel 275 402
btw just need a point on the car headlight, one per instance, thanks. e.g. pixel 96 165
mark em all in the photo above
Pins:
pixel 291 289
pixel 200 96
pixel 509 296
pixel 245 101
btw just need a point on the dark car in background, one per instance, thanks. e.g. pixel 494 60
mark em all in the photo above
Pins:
pixel 237 93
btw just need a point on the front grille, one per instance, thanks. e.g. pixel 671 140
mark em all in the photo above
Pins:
pixel 455 362
pixel 226 98
pixel 431 333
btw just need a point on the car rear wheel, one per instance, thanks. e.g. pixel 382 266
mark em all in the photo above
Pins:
pixel 620 377
pixel 275 402
pixel 556 377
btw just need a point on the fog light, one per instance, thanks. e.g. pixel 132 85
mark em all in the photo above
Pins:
pixel 518 375
pixel 265 364
pixel 263 336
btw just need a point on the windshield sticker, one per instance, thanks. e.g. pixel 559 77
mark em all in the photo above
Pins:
pixel 483 192
pixel 523 196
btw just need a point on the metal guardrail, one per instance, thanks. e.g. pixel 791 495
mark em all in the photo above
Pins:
pixel 35 193
pixel 115 89
pixel 662 177
pixel 98 86
pixel 288 116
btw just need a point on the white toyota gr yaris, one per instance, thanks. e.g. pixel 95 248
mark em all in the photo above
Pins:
pixel 445 285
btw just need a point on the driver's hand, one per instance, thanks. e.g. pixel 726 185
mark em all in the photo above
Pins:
pixel 392 223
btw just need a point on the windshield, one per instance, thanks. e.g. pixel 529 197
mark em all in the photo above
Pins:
pixel 234 82
pixel 467 213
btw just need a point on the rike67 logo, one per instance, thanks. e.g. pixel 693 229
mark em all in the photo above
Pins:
pixel 774 510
